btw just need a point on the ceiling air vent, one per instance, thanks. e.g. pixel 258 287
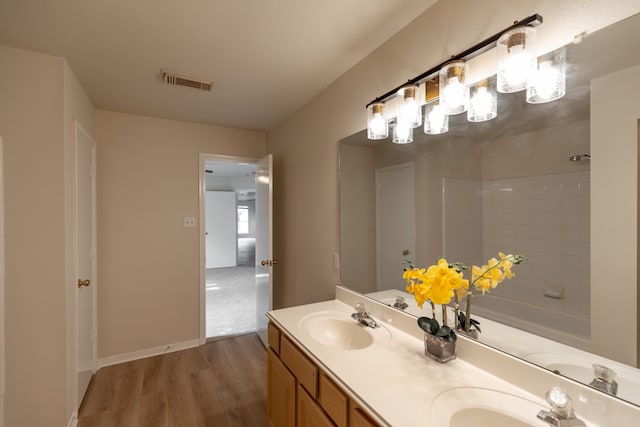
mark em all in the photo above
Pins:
pixel 173 78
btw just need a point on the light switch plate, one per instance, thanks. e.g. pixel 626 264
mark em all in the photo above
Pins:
pixel 189 221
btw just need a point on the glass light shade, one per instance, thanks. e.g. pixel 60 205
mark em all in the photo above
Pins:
pixel 454 93
pixel 402 133
pixel 409 108
pixel 435 119
pixel 483 101
pixel 516 59
pixel 377 125
pixel 549 80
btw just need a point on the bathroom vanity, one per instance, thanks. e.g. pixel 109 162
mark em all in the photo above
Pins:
pixel 326 369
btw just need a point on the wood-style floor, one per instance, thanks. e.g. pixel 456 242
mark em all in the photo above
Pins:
pixel 221 384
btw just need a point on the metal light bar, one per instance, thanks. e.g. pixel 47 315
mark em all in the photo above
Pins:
pixel 475 50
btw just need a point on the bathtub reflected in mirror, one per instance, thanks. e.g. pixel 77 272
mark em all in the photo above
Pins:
pixel 519 183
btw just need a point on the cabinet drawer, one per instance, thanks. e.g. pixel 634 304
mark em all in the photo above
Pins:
pixel 309 413
pixel 333 401
pixel 304 369
pixel 273 337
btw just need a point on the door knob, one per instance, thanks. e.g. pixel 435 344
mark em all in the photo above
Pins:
pixel 405 252
pixel 269 262
pixel 82 283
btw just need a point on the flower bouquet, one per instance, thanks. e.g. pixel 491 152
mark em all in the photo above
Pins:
pixel 442 282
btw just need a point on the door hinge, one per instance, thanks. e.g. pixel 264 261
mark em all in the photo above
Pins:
pixel 92 171
pixel 93 253
pixel 94 334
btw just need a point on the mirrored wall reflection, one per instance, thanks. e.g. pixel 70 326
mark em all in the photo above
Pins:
pixel 545 217
pixel 519 183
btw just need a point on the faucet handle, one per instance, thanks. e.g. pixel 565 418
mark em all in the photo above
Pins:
pixel 561 413
pixel 604 373
pixel 360 308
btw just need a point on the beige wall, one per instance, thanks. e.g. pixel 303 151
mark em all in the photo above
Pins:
pixel 357 218
pixel 148 264
pixel 305 147
pixel 615 111
pixel 40 97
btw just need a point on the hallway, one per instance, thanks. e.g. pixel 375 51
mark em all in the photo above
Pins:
pixel 230 301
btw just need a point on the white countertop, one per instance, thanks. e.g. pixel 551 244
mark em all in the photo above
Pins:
pixel 392 378
pixel 398 384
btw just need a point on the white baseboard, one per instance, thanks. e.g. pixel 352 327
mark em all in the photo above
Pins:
pixel 149 352
pixel 73 421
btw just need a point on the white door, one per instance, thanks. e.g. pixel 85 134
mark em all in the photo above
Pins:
pixel 264 248
pixel 221 224
pixel 394 223
pixel 85 221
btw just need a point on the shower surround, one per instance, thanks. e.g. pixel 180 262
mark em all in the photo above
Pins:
pixel 545 217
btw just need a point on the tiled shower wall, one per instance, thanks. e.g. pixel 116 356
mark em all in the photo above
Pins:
pixel 544 217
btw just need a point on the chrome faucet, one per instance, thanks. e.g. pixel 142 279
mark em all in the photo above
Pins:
pixel 400 303
pixel 561 413
pixel 363 317
pixel 604 379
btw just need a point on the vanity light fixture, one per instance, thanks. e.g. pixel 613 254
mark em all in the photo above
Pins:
pixel 454 93
pixel 516 39
pixel 483 101
pixel 409 107
pixel 549 79
pixel 378 126
pixel 516 59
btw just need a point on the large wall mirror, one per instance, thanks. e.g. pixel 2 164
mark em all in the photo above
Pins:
pixel 520 183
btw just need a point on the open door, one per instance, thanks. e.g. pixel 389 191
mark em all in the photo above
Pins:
pixel 264 247
pixel 85 250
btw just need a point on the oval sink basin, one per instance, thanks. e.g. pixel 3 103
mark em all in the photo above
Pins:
pixel 337 330
pixel 481 407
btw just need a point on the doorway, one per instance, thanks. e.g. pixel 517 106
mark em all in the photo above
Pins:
pixel 230 226
pixel 394 223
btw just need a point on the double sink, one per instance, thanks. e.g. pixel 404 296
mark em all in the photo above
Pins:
pixel 454 407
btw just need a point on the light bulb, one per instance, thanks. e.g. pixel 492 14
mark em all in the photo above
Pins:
pixel 516 59
pixel 409 111
pixel 481 102
pixel 402 133
pixel 517 66
pixel 549 80
pixel 436 121
pixel 377 126
pixel 454 93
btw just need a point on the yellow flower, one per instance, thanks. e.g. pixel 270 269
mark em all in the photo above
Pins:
pixel 442 281
pixel 507 263
pixel 412 274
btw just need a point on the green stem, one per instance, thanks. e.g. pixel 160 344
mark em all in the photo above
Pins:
pixel 455 310
pixel 467 322
pixel 444 314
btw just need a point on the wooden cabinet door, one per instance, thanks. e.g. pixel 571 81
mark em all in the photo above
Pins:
pixel 281 393
pixel 310 414
pixel 357 418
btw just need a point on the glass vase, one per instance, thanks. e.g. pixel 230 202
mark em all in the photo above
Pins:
pixel 439 349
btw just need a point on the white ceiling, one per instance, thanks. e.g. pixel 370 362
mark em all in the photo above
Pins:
pixel 267 57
